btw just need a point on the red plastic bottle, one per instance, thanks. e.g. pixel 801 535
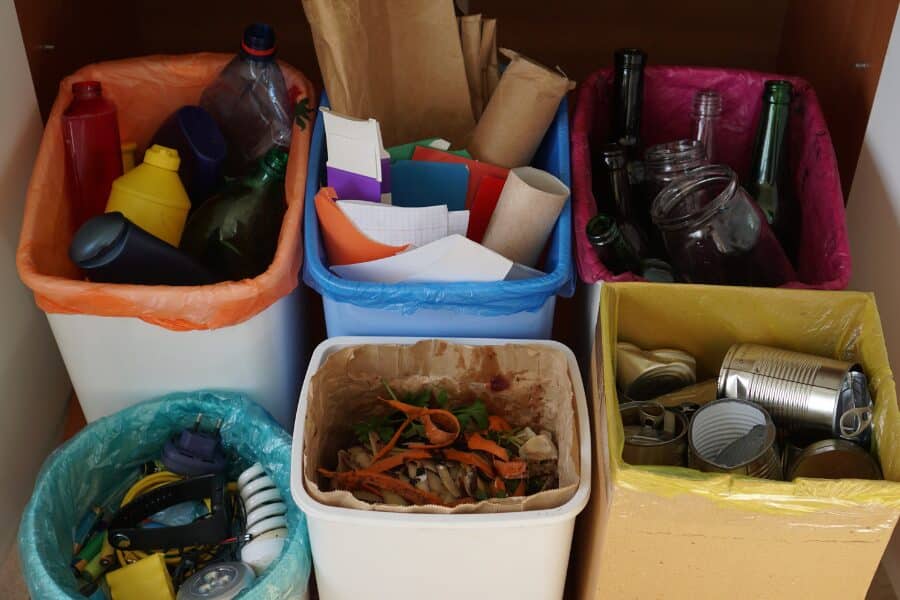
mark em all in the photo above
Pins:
pixel 93 150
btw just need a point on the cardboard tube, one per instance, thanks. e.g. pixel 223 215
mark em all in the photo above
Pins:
pixel 519 113
pixel 490 66
pixel 470 37
pixel 528 207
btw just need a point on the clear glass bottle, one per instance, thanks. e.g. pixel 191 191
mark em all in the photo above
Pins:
pixel 705 117
pixel 611 247
pixel 715 233
pixel 665 162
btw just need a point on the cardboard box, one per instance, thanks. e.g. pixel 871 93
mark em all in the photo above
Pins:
pixel 671 532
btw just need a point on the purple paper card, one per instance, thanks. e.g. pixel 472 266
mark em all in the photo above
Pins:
pixel 353 186
pixel 386 175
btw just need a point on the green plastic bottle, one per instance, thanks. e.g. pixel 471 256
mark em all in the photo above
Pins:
pixel 235 233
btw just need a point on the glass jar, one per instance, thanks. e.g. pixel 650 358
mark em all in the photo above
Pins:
pixel 665 162
pixel 705 117
pixel 715 233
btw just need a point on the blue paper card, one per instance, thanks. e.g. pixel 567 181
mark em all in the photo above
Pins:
pixel 416 183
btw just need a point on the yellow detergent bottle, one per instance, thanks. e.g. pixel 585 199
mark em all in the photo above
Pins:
pixel 151 195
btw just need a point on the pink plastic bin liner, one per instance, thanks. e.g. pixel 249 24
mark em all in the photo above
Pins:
pixel 824 253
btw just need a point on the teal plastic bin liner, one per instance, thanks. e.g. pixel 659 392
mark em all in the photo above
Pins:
pixel 88 468
pixel 478 298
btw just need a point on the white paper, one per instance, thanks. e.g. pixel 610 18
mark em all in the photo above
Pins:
pixel 400 225
pixel 440 144
pixel 451 259
pixel 354 145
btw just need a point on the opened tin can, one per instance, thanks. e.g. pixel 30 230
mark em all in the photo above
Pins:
pixel 734 436
pixel 804 393
pixel 653 435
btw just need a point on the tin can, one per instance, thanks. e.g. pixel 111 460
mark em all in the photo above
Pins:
pixel 653 435
pixel 830 459
pixel 719 425
pixel 804 393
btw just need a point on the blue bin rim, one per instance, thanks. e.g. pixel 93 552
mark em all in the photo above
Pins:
pixel 559 281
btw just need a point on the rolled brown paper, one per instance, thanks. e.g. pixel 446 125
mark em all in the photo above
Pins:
pixel 490 69
pixel 527 209
pixel 519 112
pixel 470 37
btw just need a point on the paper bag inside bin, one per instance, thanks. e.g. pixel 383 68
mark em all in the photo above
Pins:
pixel 536 391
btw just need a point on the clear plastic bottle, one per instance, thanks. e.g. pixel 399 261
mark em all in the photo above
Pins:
pixel 249 101
pixel 705 117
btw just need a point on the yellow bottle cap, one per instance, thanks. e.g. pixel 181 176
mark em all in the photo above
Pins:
pixel 162 157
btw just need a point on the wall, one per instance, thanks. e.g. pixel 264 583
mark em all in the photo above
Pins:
pixel 34 387
pixel 873 219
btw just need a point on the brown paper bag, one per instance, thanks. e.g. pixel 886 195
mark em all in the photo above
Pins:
pixel 347 387
pixel 490 66
pixel 398 61
pixel 470 38
pixel 519 113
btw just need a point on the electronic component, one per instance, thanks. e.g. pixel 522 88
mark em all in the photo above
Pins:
pixel 219 581
pixel 147 579
pixel 195 452
pixel 266 518
pixel 262 551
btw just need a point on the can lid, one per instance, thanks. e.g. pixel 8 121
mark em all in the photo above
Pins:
pixel 853 417
pixel 834 459
pixel 162 157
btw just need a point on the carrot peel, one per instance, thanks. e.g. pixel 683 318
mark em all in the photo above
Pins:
pixel 469 458
pixel 513 469
pixel 476 442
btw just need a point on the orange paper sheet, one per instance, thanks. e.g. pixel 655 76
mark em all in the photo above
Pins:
pixel 344 243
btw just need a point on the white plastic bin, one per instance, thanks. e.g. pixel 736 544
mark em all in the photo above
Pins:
pixel 367 554
pixel 115 362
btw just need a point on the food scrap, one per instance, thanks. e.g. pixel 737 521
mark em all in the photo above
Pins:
pixel 429 451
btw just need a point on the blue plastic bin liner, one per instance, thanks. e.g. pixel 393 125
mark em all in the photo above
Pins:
pixel 481 299
pixel 87 468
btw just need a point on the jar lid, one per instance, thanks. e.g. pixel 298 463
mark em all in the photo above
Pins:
pixel 162 157
pixel 834 459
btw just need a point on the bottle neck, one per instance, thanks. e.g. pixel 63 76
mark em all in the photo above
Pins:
pixel 627 105
pixel 264 175
pixel 769 150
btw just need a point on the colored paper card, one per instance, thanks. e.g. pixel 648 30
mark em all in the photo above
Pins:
pixel 405 151
pixel 354 145
pixel 397 225
pixel 344 243
pixel 353 185
pixel 419 183
pixel 483 206
pixel 457 222
pixel 451 259
pixel 477 170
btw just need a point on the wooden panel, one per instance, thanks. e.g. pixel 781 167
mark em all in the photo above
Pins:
pixel 839 46
pixel 580 36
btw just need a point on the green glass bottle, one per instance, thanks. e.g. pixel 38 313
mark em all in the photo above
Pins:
pixel 612 249
pixel 768 180
pixel 235 232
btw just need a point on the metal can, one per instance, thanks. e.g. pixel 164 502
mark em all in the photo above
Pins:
pixel 804 393
pixel 718 425
pixel 830 459
pixel 653 435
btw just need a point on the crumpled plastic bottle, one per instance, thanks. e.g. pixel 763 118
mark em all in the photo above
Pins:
pixel 249 101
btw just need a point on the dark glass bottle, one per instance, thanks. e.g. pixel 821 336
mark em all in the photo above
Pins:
pixel 768 182
pixel 611 247
pixel 628 99
pixel 612 193
pixel 235 233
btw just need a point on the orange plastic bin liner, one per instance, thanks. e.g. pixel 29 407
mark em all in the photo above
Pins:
pixel 146 91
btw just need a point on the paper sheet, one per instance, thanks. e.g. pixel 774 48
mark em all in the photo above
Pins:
pixel 451 259
pixel 354 145
pixel 398 225
pixel 344 242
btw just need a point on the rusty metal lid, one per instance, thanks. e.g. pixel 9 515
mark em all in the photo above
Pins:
pixel 834 459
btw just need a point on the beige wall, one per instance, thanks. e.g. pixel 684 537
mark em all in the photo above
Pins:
pixel 33 384
pixel 873 218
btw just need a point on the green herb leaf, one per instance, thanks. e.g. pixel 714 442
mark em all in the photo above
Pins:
pixel 422 398
pixel 480 495
pixel 473 417
pixel 389 390
pixel 442 399
pixel 380 425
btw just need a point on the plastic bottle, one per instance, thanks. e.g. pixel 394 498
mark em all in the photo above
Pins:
pixel 93 151
pixel 249 101
pixel 235 233
pixel 151 195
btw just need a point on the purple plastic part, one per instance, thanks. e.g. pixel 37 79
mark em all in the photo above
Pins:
pixel 194 453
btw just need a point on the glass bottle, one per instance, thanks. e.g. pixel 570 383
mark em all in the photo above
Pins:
pixel 249 101
pixel 665 162
pixel 767 182
pixel 612 193
pixel 611 248
pixel 235 233
pixel 627 104
pixel 716 234
pixel 93 150
pixel 705 117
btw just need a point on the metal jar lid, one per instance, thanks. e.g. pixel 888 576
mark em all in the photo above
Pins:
pixel 832 459
pixel 802 392
pixel 723 425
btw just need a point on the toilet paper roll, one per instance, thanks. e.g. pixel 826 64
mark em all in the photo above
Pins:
pixel 529 205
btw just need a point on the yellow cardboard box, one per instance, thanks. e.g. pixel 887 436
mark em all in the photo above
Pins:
pixel 671 532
